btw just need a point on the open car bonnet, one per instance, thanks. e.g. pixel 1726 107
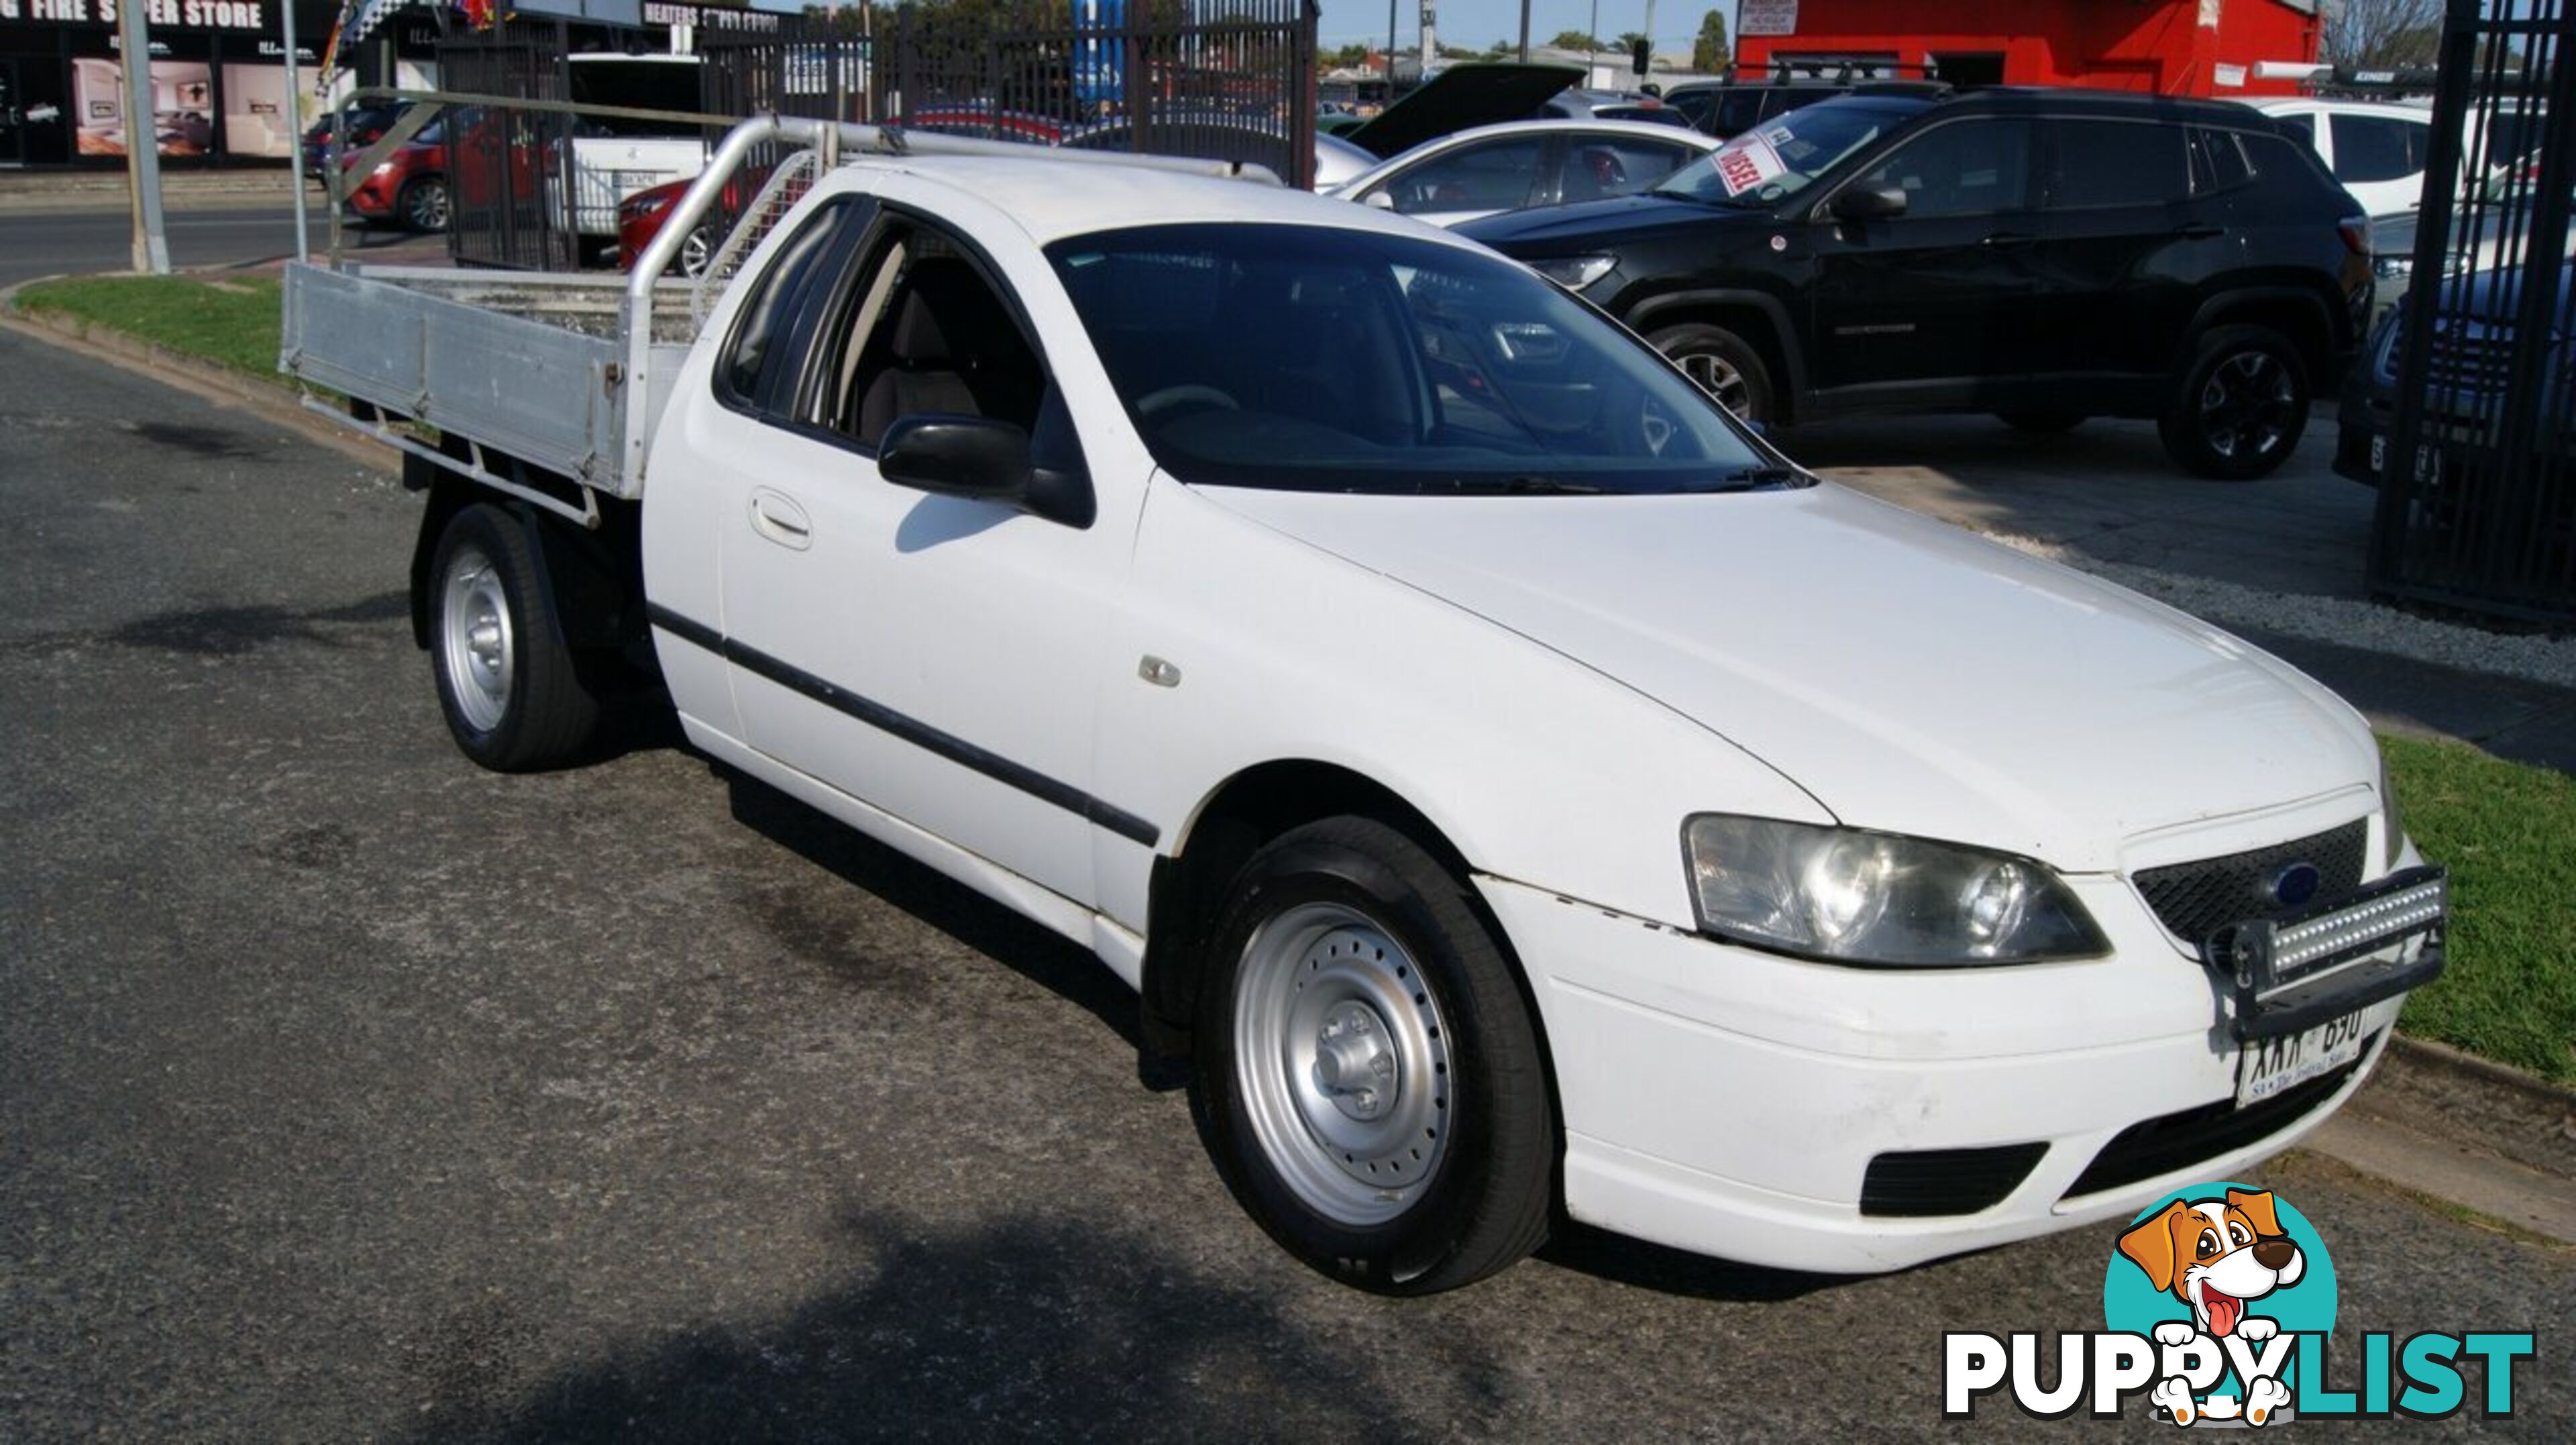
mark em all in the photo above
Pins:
pixel 1458 98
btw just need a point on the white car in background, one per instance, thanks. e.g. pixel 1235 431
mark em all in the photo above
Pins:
pixel 2376 150
pixel 1519 164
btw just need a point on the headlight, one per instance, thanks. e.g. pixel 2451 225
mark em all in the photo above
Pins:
pixel 1848 896
pixel 384 168
pixel 649 206
pixel 2389 268
pixel 1575 272
pixel 2392 827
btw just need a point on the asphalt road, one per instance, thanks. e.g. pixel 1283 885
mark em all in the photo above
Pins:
pixel 70 241
pixel 353 1093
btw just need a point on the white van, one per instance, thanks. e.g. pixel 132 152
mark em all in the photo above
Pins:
pixel 2376 150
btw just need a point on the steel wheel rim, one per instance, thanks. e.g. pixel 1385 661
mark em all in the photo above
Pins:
pixel 2246 407
pixel 1718 377
pixel 429 206
pixel 1342 1060
pixel 476 645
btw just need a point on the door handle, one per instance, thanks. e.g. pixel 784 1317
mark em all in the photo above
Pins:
pixel 775 516
pixel 2199 231
pixel 2001 239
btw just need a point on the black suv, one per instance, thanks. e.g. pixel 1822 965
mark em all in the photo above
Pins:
pixel 2045 255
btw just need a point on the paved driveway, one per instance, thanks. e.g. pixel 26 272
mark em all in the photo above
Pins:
pixel 353 1093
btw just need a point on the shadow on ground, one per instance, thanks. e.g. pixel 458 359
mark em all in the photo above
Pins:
pixel 1024 1327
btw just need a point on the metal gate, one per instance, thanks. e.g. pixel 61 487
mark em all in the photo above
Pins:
pixel 2477 486
pixel 503 193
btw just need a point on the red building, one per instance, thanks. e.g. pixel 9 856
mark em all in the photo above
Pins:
pixel 2170 47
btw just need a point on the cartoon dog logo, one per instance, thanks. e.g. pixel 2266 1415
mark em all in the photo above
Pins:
pixel 2217 1256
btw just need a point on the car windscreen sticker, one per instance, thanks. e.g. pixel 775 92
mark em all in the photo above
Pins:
pixel 1747 162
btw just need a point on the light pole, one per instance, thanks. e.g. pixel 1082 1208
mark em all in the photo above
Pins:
pixel 1525 31
pixel 142 143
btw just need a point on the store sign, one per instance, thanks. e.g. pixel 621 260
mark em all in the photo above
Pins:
pixel 1767 17
pixel 706 17
pixel 174 14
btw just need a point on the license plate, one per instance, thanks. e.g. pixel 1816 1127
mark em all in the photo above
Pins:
pixel 2428 462
pixel 2269 1066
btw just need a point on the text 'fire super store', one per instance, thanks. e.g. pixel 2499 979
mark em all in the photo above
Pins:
pixel 219 79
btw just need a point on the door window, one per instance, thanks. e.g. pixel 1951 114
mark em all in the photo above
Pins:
pixel 2217 161
pixel 915 328
pixel 1597 168
pixel 2116 163
pixel 760 329
pixel 2377 148
pixel 1494 175
pixel 1969 168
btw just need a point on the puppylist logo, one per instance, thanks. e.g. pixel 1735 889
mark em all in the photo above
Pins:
pixel 2220 1301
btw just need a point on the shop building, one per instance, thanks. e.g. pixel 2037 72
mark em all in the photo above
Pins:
pixel 2220 48
pixel 219 79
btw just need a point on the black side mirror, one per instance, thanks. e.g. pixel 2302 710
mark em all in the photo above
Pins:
pixel 988 460
pixel 1869 203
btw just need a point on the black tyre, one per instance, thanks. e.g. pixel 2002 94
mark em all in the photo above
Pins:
pixel 1367 1067
pixel 1724 364
pixel 506 681
pixel 423 204
pixel 2042 422
pixel 2239 406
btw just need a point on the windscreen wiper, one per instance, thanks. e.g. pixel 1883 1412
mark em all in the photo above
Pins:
pixel 1523 486
pixel 1752 479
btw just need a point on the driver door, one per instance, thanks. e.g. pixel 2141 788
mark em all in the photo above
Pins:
pixel 936 657
pixel 1924 305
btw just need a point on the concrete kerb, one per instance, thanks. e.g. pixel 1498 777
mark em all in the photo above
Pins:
pixel 2367 1138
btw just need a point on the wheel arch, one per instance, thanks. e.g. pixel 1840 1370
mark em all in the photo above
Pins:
pixel 2297 314
pixel 1187 888
pixel 1761 319
pixel 594 576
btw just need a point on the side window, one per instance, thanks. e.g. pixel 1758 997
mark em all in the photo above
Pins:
pixel 1968 168
pixel 2116 163
pixel 2304 122
pixel 2217 161
pixel 1699 107
pixel 916 328
pixel 1737 112
pixel 2374 148
pixel 1491 176
pixel 1599 169
pixel 760 328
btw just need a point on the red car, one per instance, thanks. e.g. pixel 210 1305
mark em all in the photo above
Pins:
pixel 409 188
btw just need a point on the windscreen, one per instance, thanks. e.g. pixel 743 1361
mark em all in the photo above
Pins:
pixel 1784 156
pixel 1323 359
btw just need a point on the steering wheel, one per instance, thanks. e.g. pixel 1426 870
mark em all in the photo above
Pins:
pixel 1189 396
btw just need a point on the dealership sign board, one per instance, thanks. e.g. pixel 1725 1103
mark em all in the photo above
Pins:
pixel 1767 17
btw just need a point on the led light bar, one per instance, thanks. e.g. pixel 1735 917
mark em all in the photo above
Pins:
pixel 2335 957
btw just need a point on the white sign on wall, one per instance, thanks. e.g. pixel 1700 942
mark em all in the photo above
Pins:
pixel 1767 17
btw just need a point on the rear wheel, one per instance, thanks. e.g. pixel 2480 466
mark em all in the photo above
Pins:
pixel 1725 366
pixel 1368 1071
pixel 423 204
pixel 513 699
pixel 2239 406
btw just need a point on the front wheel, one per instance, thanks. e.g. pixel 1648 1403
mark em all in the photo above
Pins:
pixel 1724 364
pixel 2239 405
pixel 513 697
pixel 1368 1071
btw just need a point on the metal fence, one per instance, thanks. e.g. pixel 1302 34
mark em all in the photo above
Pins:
pixel 1230 80
pixel 2477 499
pixel 504 206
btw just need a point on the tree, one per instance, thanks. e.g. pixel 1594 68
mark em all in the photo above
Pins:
pixel 1709 53
pixel 2377 34
pixel 1575 40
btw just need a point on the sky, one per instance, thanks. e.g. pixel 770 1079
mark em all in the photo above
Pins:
pixel 1479 23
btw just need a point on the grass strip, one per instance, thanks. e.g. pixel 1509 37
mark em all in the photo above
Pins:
pixel 231 321
pixel 2507 832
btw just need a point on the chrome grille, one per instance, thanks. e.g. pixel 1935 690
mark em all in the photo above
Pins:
pixel 2468 357
pixel 2195 900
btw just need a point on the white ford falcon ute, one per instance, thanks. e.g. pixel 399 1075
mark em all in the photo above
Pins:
pixel 1509 783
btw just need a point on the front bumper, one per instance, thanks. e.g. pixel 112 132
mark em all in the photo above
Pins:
pixel 1737 1103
